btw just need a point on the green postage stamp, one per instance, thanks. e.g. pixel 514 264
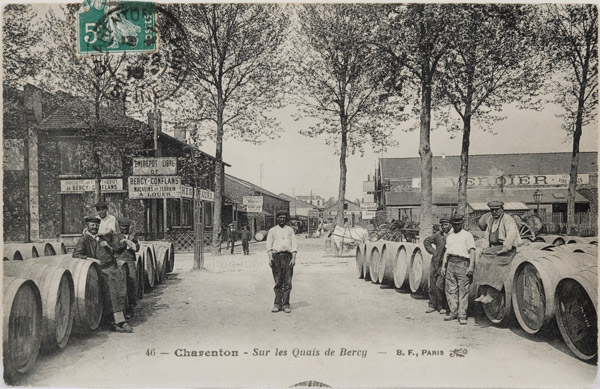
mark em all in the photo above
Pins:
pixel 116 27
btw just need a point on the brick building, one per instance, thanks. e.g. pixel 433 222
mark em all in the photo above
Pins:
pixel 49 185
pixel 234 212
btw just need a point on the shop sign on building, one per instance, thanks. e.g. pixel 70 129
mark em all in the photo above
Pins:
pixel 187 192
pixel 154 187
pixel 253 203
pixel 313 213
pixel 369 198
pixel 368 215
pixel 508 181
pixel 107 185
pixel 205 195
pixel 368 206
pixel 166 166
pixel 368 186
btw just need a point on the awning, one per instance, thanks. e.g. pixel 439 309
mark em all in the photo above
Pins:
pixel 510 206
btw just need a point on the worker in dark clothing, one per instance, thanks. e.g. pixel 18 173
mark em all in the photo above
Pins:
pixel 436 245
pixel 245 234
pixel 128 245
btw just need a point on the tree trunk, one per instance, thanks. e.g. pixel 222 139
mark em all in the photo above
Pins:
pixel 572 192
pixel 464 166
pixel 426 220
pixel 343 170
pixel 97 177
pixel 219 176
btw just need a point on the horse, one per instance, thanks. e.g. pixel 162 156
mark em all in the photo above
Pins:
pixel 349 236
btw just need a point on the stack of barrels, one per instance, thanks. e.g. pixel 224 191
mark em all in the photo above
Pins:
pixel 47 297
pixel 548 280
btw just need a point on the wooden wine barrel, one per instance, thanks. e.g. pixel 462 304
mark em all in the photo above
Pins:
pixel 374 263
pixel 162 261
pixel 45 249
pixel 58 298
pixel 59 247
pixel 261 235
pixel 555 240
pixel 360 259
pixel 22 324
pixel 534 284
pixel 535 246
pixel 170 256
pixel 577 311
pixel 367 260
pixel 88 289
pixel 592 240
pixel 418 271
pixel 388 261
pixel 149 264
pixel 576 248
pixel 580 240
pixel 20 251
pixel 402 258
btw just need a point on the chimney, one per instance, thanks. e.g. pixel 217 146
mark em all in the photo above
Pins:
pixel 180 132
pixel 33 101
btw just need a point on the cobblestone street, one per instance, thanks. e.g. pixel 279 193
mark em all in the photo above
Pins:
pixel 214 328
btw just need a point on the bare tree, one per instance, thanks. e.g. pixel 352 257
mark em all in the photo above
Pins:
pixel 335 69
pixel 492 60
pixel 237 71
pixel 571 36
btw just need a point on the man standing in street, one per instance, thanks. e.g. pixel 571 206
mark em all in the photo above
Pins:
pixel 282 247
pixel 108 223
pixel 460 257
pixel 436 246
pixel 232 234
pixel 92 245
pixel 128 245
pixel 245 234
pixel 493 265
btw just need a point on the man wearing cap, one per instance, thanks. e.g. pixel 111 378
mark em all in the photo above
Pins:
pixel 460 259
pixel 232 234
pixel 436 245
pixel 108 223
pixel 92 245
pixel 128 245
pixel 493 265
pixel 245 235
pixel 282 247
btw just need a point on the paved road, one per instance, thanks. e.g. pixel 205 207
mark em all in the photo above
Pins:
pixel 342 331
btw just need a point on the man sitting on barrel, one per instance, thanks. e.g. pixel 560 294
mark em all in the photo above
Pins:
pixel 92 245
pixel 493 265
pixel 125 251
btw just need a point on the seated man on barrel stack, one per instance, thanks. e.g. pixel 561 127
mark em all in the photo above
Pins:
pixel 114 289
pixel 493 265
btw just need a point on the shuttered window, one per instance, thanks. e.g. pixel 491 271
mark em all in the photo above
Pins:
pixel 72 213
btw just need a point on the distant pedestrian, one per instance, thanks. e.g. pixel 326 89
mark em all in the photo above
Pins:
pixel 460 257
pixel 282 247
pixel 436 246
pixel 232 234
pixel 246 239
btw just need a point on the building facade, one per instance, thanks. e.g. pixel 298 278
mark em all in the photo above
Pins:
pixel 511 178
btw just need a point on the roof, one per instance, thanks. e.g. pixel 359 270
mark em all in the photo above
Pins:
pixel 523 195
pixel 297 202
pixel 256 188
pixel 491 165
pixel 76 113
pixel 172 139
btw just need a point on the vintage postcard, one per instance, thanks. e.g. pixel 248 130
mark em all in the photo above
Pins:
pixel 347 195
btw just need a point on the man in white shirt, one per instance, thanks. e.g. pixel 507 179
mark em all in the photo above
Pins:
pixel 281 247
pixel 108 223
pixel 493 266
pixel 460 257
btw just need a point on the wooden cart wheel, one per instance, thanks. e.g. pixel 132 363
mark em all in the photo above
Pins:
pixel 526 232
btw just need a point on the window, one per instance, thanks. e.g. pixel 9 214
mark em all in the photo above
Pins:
pixel 70 157
pixel 208 214
pixel 173 213
pixel 345 206
pixel 72 213
pixel 187 213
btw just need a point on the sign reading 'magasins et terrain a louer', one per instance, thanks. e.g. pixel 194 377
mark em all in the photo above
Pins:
pixel 154 187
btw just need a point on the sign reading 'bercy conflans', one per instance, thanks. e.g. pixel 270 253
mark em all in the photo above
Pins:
pixel 165 166
pixel 107 185
pixel 154 187
pixel 253 203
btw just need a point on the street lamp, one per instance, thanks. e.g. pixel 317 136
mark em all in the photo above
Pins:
pixel 537 197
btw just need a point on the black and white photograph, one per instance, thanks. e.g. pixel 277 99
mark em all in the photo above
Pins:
pixel 276 195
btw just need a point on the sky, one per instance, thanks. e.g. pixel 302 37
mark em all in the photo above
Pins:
pixel 297 164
